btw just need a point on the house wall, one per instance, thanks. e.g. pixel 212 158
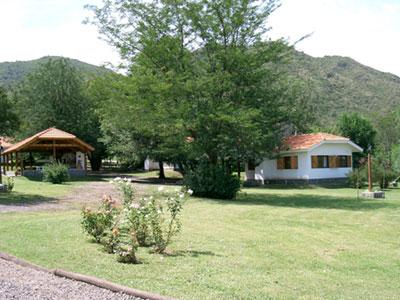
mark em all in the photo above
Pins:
pixel 268 168
pixel 150 165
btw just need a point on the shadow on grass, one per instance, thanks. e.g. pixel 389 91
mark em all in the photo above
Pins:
pixel 307 201
pixel 19 199
pixel 88 178
pixel 191 253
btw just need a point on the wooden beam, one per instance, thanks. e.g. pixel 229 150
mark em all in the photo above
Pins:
pixel 51 146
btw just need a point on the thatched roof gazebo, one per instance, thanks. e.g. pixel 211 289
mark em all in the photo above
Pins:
pixel 57 144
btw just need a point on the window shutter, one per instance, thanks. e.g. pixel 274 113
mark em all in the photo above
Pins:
pixel 294 162
pixel 314 162
pixel 333 162
pixel 280 163
pixel 349 164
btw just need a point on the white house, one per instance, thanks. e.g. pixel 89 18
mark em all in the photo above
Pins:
pixel 307 157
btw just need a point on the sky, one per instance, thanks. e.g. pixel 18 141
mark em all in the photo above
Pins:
pixel 365 30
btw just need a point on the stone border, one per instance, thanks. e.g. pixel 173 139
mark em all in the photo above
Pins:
pixel 87 279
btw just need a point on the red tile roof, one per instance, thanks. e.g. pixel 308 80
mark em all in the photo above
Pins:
pixel 307 141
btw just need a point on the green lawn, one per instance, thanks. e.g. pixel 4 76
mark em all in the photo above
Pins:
pixel 269 243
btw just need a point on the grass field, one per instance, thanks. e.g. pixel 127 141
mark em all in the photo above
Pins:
pixel 310 243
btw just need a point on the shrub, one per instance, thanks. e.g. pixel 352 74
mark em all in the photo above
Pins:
pixel 55 172
pixel 97 223
pixel 127 190
pixel 127 242
pixel 9 184
pixel 151 221
pixel 212 181
pixel 165 226
pixel 139 218
pixel 357 178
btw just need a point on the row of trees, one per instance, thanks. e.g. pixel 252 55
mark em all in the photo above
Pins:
pixel 381 137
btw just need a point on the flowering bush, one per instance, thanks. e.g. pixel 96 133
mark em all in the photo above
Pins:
pixel 127 242
pixel 151 221
pixel 97 223
pixel 126 188
pixel 165 225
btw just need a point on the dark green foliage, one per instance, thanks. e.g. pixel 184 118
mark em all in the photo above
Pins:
pixel 358 129
pixel 8 118
pixel 54 96
pixel 228 100
pixel 207 180
pixel 56 173
pixel 357 178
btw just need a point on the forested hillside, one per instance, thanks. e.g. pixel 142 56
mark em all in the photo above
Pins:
pixel 340 84
pixel 12 73
pixel 336 84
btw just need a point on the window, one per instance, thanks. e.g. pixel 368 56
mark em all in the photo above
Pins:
pixel 320 161
pixel 332 161
pixel 344 161
pixel 287 162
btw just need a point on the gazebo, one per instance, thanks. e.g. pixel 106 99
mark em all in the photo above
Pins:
pixel 54 145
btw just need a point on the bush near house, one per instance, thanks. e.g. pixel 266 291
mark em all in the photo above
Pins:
pixel 212 181
pixel 56 173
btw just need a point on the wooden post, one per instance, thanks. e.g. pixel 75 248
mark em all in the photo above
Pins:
pixel 4 164
pixel 16 163
pixel 85 162
pixel 369 172
pixel 54 150
pixel 8 162
pixel 12 161
pixel 1 176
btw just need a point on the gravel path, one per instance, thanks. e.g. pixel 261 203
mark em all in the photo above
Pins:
pixel 17 282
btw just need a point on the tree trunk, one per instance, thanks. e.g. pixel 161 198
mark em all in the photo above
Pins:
pixel 95 161
pixel 238 168
pixel 161 166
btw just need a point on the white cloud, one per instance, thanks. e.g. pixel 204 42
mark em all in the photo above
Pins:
pixel 365 30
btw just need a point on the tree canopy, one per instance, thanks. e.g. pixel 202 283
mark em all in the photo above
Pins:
pixel 8 118
pixel 204 80
pixel 54 96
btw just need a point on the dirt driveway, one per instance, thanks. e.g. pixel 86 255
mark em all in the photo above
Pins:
pixel 87 194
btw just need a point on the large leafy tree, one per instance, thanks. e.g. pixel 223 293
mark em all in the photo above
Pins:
pixel 204 80
pixel 8 118
pixel 54 95
pixel 359 129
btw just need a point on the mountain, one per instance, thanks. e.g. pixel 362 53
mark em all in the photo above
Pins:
pixel 335 84
pixel 340 84
pixel 12 73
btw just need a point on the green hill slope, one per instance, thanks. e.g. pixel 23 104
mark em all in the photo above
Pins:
pixel 12 73
pixel 340 84
pixel 336 84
